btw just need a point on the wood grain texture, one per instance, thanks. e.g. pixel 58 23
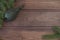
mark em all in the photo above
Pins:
pixel 32 22
pixel 42 4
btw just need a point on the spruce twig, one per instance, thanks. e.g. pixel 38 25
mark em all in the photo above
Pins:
pixel 56 34
pixel 4 5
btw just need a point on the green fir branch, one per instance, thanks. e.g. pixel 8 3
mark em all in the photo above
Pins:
pixel 56 34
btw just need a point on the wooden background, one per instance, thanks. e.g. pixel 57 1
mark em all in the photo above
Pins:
pixel 31 22
pixel 42 4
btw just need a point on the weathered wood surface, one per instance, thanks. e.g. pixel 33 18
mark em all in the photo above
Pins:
pixel 42 4
pixel 31 22
pixel 30 25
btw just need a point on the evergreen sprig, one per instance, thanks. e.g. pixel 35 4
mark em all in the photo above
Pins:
pixel 4 5
pixel 56 34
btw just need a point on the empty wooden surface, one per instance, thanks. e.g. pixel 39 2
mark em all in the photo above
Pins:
pixel 31 22
pixel 42 4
